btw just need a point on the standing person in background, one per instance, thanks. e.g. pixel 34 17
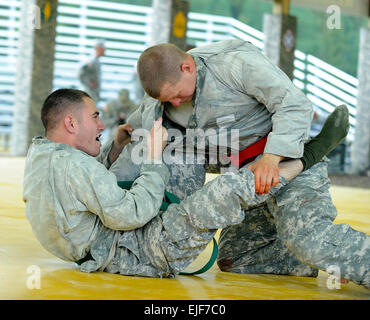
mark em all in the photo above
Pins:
pixel 90 73
pixel 116 111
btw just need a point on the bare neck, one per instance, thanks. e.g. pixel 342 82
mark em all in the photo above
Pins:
pixel 59 137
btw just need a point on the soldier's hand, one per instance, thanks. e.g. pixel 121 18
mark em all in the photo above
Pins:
pixel 157 140
pixel 266 172
pixel 123 134
pixel 121 139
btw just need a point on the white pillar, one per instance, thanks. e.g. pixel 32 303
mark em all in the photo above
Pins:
pixel 35 67
pixel 280 39
pixel 169 22
pixel 161 22
pixel 360 152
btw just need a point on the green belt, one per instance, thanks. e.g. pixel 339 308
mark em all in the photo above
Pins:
pixel 168 199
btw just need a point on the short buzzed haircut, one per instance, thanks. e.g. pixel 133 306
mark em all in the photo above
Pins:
pixel 160 64
pixel 56 105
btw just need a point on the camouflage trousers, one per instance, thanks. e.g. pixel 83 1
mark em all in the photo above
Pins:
pixel 171 241
pixel 288 231
pixel 293 233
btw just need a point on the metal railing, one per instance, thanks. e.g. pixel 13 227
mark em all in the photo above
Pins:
pixel 9 25
pixel 326 86
pixel 125 29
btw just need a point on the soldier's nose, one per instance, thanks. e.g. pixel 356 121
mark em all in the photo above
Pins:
pixel 175 102
pixel 101 124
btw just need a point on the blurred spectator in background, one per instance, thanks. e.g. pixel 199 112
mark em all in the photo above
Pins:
pixel 90 73
pixel 115 112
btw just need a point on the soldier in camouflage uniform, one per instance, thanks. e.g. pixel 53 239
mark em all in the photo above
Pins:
pixel 77 211
pixel 90 73
pixel 116 112
pixel 229 85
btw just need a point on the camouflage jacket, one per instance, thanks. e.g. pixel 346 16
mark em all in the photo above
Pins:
pixel 74 205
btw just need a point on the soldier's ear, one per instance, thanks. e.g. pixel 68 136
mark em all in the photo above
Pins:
pixel 185 67
pixel 188 65
pixel 70 123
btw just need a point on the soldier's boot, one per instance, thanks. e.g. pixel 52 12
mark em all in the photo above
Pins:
pixel 334 130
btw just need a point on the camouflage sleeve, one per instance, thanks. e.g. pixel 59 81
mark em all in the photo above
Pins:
pixel 135 119
pixel 95 190
pixel 128 164
pixel 291 109
pixel 104 152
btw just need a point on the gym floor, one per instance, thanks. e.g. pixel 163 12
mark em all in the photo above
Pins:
pixel 22 259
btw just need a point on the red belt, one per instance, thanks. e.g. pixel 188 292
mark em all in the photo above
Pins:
pixel 249 154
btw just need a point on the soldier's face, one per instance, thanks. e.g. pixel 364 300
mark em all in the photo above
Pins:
pixel 182 91
pixel 100 51
pixel 90 127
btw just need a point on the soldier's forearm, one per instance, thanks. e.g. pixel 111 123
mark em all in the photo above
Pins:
pixel 115 152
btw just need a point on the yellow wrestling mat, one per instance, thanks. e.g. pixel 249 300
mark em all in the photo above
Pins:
pixel 22 259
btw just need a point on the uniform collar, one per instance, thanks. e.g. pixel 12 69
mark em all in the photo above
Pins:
pixel 201 73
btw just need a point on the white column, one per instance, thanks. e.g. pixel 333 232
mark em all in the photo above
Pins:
pixel 35 66
pixel 360 152
pixel 169 22
pixel 280 39
pixel 161 22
